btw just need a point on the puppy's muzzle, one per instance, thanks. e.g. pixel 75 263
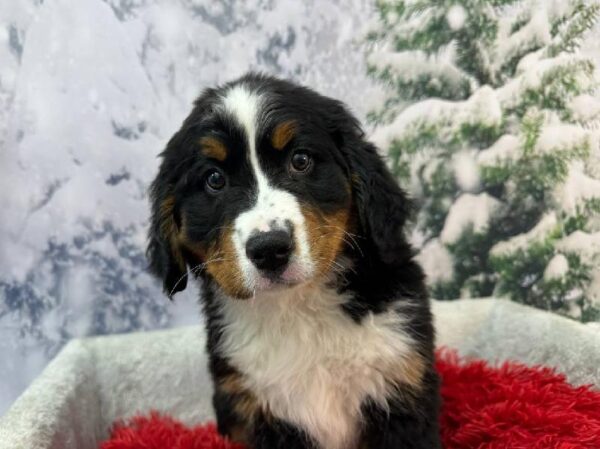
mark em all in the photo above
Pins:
pixel 270 251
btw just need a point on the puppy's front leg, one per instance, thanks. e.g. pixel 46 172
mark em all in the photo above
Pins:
pixel 410 422
pixel 404 432
pixel 272 433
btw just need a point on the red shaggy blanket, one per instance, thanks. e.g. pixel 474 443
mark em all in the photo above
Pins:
pixel 508 407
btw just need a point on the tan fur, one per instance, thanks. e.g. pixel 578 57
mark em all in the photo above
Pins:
pixel 239 434
pixel 213 148
pixel 283 134
pixel 407 379
pixel 169 230
pixel 326 235
pixel 411 373
pixel 221 263
pixel 407 375
pixel 231 384
pixel 245 406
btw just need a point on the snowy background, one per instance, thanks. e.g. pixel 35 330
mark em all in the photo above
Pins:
pixel 90 91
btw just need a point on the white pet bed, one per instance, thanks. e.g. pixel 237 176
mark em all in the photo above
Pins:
pixel 95 381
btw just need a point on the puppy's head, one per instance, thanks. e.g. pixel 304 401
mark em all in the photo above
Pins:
pixel 264 186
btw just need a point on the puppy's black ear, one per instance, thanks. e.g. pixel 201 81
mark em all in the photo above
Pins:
pixel 164 252
pixel 382 206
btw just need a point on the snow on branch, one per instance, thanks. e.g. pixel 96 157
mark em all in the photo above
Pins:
pixel 468 210
pixel 481 108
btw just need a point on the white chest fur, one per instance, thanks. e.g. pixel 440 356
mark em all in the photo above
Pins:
pixel 310 363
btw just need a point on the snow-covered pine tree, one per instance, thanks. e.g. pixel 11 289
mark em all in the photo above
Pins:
pixel 489 116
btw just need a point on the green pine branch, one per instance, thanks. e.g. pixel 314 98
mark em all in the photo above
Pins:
pixel 570 31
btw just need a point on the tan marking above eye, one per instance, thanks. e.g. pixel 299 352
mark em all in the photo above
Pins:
pixel 213 148
pixel 283 134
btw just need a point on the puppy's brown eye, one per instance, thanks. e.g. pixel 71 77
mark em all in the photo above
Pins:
pixel 215 181
pixel 301 162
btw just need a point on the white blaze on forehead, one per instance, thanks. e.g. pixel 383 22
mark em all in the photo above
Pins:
pixel 272 208
pixel 244 105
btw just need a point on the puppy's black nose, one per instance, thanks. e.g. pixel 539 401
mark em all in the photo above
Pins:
pixel 270 251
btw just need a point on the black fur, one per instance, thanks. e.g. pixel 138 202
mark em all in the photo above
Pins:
pixel 160 253
pixel 408 423
pixel 383 266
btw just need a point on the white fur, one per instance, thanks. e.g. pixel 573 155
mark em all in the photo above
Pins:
pixel 272 207
pixel 309 362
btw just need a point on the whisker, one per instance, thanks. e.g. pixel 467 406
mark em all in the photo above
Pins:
pixel 218 228
pixel 336 266
pixel 318 238
pixel 193 270
pixel 352 237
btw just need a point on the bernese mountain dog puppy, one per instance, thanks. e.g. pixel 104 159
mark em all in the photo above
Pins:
pixel 319 330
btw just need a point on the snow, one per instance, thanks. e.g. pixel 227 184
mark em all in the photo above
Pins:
pixel 481 108
pixel 90 91
pixel 535 33
pixel 410 65
pixel 437 261
pixel 419 18
pixel 585 244
pixel 505 149
pixel 556 268
pixel 468 210
pixel 577 188
pixel 533 72
pixel 466 171
pixel 484 107
pixel 456 17
pixel 558 8
pixel 530 61
pixel 593 291
pixel 561 136
pixel 538 233
pixel 585 108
